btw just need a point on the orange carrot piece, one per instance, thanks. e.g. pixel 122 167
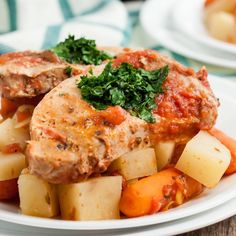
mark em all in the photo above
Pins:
pixel 153 193
pixel 115 115
pixel 23 115
pixel 142 196
pixel 8 189
pixel 7 107
pixel 208 2
pixel 230 143
pixel 11 148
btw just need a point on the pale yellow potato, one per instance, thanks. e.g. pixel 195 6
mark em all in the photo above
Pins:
pixel 164 152
pixel 9 134
pixel 11 165
pixel 220 5
pixel 205 159
pixel 37 197
pixel 222 26
pixel 23 108
pixel 132 181
pixel 135 164
pixel 94 199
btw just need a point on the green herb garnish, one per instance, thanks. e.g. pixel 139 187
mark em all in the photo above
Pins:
pixel 133 89
pixel 69 71
pixel 80 51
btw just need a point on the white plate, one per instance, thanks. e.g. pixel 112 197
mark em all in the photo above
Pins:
pixel 209 199
pixel 156 19
pixel 190 223
pixel 188 18
pixel 174 227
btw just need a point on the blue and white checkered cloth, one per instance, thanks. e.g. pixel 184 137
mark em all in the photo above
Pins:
pixel 40 24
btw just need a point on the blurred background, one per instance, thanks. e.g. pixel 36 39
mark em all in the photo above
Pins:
pixel 194 32
pixel 167 26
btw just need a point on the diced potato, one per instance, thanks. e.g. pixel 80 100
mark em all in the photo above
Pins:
pixel 135 164
pixel 94 199
pixel 219 5
pixel 164 152
pixel 11 165
pixel 204 159
pixel 132 181
pixel 37 197
pixel 222 26
pixel 9 134
pixel 22 116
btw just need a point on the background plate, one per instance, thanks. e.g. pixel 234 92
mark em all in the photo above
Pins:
pixel 193 25
pixel 159 25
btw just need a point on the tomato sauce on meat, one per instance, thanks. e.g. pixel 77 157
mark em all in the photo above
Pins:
pixel 140 59
pixel 181 98
pixel 177 102
pixel 29 59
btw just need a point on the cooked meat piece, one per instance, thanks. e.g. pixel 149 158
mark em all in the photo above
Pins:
pixel 71 140
pixel 29 73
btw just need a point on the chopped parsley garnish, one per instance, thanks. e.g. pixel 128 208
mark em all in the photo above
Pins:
pixel 69 71
pixel 80 51
pixel 133 89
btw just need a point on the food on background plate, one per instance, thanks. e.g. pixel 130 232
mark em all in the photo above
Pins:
pixel 108 139
pixel 220 19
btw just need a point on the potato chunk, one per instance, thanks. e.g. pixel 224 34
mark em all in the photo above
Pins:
pixel 219 5
pixel 10 134
pixel 222 26
pixel 11 165
pixel 164 152
pixel 37 197
pixel 94 199
pixel 204 159
pixel 135 164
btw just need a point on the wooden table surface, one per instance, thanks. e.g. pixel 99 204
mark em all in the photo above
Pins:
pixel 224 228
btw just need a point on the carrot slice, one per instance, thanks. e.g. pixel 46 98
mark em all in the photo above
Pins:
pixel 8 189
pixel 114 115
pixel 154 193
pixel 7 107
pixel 230 143
pixel 11 148
pixel 208 2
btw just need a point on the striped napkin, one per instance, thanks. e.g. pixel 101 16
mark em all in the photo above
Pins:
pixel 40 24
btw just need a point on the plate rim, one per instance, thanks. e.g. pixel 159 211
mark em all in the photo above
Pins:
pixel 205 39
pixel 175 45
pixel 182 226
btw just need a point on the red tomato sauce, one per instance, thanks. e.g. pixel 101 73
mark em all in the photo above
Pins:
pixel 139 59
pixel 177 101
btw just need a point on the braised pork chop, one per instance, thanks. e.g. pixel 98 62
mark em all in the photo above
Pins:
pixel 71 140
pixel 30 73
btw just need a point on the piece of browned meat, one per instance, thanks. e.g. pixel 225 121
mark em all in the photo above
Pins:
pixel 71 140
pixel 31 73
